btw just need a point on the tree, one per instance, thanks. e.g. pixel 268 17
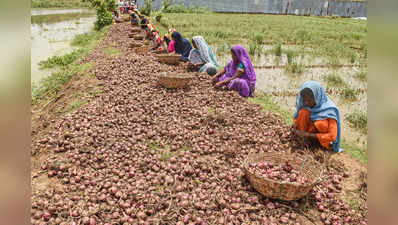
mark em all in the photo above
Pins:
pixel 147 9
pixel 104 10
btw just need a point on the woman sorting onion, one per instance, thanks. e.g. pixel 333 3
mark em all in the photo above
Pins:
pixel 317 117
pixel 157 41
pixel 202 57
pixel 239 74
pixel 182 46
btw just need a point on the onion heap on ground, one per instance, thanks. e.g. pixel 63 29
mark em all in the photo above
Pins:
pixel 143 154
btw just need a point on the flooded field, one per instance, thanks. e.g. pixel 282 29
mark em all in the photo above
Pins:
pixel 282 86
pixel 52 32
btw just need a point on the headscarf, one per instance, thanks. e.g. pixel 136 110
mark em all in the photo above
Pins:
pixel 182 45
pixel 324 108
pixel 244 58
pixel 171 30
pixel 156 38
pixel 206 53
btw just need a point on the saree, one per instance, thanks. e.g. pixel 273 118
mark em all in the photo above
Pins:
pixel 324 108
pixel 203 53
pixel 245 84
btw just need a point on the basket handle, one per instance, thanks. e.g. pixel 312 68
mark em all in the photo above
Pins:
pixel 304 163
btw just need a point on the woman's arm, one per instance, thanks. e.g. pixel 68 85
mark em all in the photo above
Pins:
pixel 219 73
pixel 198 65
pixel 237 74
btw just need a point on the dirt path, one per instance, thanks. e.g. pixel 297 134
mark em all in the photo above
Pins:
pixel 133 154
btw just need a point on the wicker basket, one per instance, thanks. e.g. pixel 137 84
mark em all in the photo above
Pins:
pixel 147 42
pixel 169 59
pixel 135 45
pixel 135 30
pixel 139 37
pixel 164 51
pixel 173 80
pixel 142 50
pixel 282 189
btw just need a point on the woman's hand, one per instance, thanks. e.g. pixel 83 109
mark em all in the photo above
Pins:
pixel 305 134
pixel 214 79
pixel 301 133
pixel 219 84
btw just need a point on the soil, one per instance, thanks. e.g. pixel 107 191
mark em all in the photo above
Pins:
pixel 47 113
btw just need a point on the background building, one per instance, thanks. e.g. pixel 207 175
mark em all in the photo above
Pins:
pixel 356 8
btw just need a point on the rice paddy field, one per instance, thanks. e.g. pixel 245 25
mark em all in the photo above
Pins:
pixel 289 50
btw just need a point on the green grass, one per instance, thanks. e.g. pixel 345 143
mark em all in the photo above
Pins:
pixel 53 83
pixel 76 104
pixel 177 8
pixel 355 151
pixel 61 60
pixel 111 51
pixel 334 80
pixel 254 49
pixel 56 80
pixel 358 120
pixel 59 4
pixel 295 68
pixel 267 104
pixel 327 37
pixel 50 19
pixel 278 50
pixel 290 54
pixel 362 75
pixel 258 38
pixel 349 94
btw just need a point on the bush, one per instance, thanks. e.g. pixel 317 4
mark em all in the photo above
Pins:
pixel 147 9
pixel 104 17
pixel 60 60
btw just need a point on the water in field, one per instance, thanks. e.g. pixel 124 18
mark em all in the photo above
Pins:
pixel 282 85
pixel 52 32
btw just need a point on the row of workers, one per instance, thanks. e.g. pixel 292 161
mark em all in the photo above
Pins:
pixel 316 117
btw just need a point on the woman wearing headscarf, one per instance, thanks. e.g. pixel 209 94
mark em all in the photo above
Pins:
pixel 202 55
pixel 182 46
pixel 171 45
pixel 157 41
pixel 239 74
pixel 317 117
pixel 134 17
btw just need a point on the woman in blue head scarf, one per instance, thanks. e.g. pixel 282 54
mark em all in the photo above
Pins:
pixel 182 46
pixel 317 117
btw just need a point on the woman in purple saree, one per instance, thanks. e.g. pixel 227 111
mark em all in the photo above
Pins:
pixel 239 74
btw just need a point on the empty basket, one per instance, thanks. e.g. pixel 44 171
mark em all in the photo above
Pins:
pixel 173 80
pixel 169 59
pixel 138 37
pixel 135 45
pixel 142 50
